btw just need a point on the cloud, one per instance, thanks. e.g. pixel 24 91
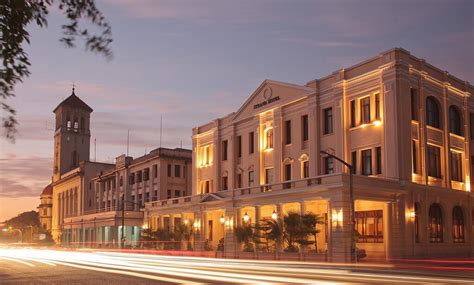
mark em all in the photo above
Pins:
pixel 24 176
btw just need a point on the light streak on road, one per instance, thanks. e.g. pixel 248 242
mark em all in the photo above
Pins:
pixel 198 271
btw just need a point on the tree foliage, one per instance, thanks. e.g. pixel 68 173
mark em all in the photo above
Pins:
pixel 18 15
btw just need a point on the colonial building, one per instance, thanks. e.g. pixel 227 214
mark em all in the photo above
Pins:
pixel 405 126
pixel 72 169
pixel 45 207
pixel 92 201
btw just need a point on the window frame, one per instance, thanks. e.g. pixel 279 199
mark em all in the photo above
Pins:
pixel 328 117
pixel 364 163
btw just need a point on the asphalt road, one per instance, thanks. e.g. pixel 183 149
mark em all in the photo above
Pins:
pixel 45 266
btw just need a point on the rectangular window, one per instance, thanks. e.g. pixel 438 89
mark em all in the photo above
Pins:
pixel 239 146
pixel 434 162
pixel 155 170
pixel 377 106
pixel 139 176
pixel 367 162
pixel 146 174
pixel 306 169
pixel 305 127
pixel 121 181
pixel 353 113
pixel 269 176
pixel 378 153
pixel 354 162
pixel 225 183
pixel 131 178
pixel 369 226
pixel 251 143
pixel 169 170
pixel 207 186
pixel 287 172
pixel 365 110
pixel 414 156
pixel 328 165
pixel 169 194
pixel 288 132
pixel 177 193
pixel 239 180
pixel 251 178
pixel 414 104
pixel 456 166
pixel 224 149
pixel 177 170
pixel 328 121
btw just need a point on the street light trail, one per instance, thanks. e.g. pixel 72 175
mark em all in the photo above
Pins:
pixel 199 271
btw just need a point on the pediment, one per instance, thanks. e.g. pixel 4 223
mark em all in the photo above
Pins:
pixel 210 197
pixel 269 95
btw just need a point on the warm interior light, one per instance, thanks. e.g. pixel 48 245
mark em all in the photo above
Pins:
pixel 186 221
pixel 377 123
pixel 337 217
pixel 222 219
pixel 246 217
pixel 274 215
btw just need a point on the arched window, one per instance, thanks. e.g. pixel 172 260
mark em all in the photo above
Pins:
pixel 432 112
pixel 455 124
pixel 68 123
pixel 417 222
pixel 458 224
pixel 436 223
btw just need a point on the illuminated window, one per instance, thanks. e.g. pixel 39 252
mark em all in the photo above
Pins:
pixel 269 139
pixel 456 166
pixel 434 161
pixel 367 162
pixel 458 224
pixel 369 225
pixel 365 110
pixel 205 155
pixel 436 223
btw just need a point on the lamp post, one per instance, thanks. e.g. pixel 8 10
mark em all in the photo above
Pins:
pixel 122 239
pixel 351 195
pixel 222 221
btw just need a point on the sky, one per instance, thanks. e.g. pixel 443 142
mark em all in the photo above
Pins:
pixel 190 62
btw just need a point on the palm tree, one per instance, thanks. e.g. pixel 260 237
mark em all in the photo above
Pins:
pixel 183 232
pixel 310 223
pixel 272 231
pixel 245 234
pixel 292 230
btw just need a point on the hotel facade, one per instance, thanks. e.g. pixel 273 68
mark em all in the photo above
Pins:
pixel 404 125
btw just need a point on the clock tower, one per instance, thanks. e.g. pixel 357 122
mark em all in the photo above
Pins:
pixel 72 135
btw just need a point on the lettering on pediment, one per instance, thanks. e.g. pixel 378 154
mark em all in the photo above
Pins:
pixel 267 99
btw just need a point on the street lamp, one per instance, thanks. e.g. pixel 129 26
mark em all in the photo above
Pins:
pixel 222 221
pixel 351 194
pixel 274 215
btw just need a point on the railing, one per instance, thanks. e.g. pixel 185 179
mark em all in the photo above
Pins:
pixel 285 185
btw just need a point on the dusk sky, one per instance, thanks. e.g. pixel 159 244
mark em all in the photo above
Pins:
pixel 194 61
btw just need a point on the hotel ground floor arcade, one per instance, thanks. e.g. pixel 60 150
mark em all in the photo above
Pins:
pixel 386 221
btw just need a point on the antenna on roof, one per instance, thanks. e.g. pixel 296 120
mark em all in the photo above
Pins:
pixel 161 127
pixel 128 140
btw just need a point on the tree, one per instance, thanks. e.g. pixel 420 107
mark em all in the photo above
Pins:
pixel 310 224
pixel 16 16
pixel 245 234
pixel 183 232
pixel 272 231
pixel 298 228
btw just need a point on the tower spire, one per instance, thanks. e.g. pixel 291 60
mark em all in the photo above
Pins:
pixel 73 88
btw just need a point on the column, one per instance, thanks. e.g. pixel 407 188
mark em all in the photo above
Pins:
pixel 340 227
pixel 387 230
pixel 277 145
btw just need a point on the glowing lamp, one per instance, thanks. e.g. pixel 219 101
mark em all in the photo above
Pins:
pixel 377 123
pixel 337 217
pixel 246 217
pixel 5 230
pixel 222 219
pixel 274 215
pixel 186 221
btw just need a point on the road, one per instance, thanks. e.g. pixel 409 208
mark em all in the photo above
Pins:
pixel 46 266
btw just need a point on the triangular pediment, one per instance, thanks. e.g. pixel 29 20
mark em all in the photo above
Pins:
pixel 269 95
pixel 211 197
